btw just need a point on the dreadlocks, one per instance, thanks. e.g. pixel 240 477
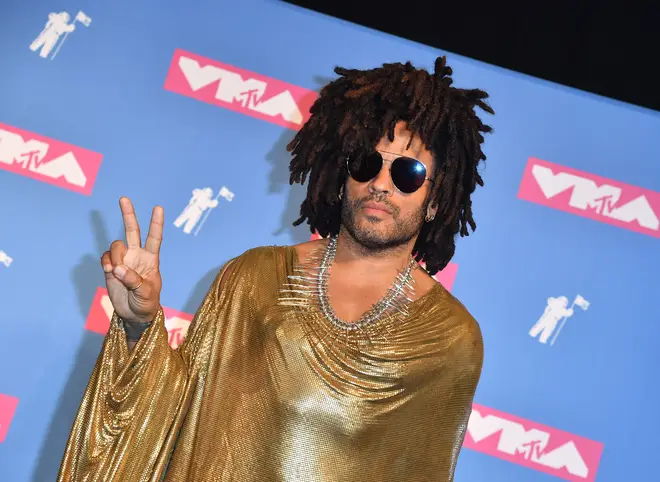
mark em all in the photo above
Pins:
pixel 351 115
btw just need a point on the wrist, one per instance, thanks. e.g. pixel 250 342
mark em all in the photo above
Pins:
pixel 147 320
pixel 143 319
pixel 135 329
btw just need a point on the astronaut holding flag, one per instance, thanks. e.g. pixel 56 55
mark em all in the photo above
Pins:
pixel 555 311
pixel 57 25
pixel 201 202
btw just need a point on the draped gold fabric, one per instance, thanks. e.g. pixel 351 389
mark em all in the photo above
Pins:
pixel 252 395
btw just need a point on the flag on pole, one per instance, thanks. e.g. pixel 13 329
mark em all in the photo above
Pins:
pixel 581 302
pixel 226 193
pixel 82 18
pixel 5 259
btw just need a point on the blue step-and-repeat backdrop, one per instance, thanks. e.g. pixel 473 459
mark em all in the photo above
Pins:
pixel 189 104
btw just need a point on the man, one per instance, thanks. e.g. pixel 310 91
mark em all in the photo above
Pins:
pixel 339 359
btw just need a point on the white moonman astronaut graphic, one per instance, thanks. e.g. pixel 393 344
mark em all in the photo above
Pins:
pixel 200 202
pixel 555 311
pixel 56 26
pixel 5 259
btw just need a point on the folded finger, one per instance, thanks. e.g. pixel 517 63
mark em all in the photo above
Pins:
pixel 129 277
pixel 106 264
pixel 117 253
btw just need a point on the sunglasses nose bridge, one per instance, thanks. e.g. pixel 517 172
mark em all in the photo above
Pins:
pixel 383 180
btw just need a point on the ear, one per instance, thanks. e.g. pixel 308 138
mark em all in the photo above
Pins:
pixel 432 209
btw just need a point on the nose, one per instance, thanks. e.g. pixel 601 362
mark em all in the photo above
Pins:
pixel 382 183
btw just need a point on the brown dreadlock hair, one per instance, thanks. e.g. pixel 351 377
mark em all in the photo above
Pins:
pixel 351 115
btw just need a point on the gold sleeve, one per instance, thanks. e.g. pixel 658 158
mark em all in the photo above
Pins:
pixel 135 401
pixel 469 364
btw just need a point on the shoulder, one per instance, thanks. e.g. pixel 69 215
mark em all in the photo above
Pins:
pixel 272 261
pixel 257 269
pixel 459 327
pixel 259 260
pixel 470 324
pixel 261 253
pixel 264 259
pixel 303 250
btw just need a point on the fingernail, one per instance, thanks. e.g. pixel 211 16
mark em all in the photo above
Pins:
pixel 107 268
pixel 120 271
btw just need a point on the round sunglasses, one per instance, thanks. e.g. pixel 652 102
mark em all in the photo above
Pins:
pixel 408 174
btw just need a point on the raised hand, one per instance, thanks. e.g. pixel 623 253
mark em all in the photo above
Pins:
pixel 132 274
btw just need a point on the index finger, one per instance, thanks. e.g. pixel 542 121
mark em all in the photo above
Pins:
pixel 155 235
pixel 131 226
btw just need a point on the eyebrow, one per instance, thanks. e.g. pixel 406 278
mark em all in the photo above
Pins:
pixel 401 155
pixel 430 169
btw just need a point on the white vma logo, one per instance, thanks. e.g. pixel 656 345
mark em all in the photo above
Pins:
pixel 515 440
pixel 57 27
pixel 587 195
pixel 30 155
pixel 232 88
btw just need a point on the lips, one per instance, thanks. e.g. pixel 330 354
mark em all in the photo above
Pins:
pixel 377 207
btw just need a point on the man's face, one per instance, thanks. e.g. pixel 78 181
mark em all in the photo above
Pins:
pixel 375 213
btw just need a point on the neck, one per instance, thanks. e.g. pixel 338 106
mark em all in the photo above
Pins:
pixel 365 262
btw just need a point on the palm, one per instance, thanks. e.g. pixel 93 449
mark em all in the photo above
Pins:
pixel 126 303
pixel 140 303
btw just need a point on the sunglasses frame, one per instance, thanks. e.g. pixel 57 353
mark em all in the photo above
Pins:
pixel 383 161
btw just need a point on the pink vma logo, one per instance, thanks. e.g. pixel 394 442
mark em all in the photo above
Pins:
pixel 591 196
pixel 239 90
pixel 7 408
pixel 532 445
pixel 48 160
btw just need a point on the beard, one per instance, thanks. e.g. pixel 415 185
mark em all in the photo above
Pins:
pixel 373 238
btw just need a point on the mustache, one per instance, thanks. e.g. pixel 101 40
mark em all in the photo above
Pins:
pixel 379 198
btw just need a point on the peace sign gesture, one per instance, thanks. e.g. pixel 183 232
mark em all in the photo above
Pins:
pixel 132 273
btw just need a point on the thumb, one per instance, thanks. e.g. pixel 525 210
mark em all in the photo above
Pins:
pixel 129 277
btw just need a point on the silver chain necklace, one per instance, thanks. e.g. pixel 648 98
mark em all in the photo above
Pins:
pixel 396 298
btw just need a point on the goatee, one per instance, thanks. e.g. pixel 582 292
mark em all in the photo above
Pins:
pixel 372 239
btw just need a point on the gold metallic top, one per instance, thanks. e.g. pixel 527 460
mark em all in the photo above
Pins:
pixel 260 391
